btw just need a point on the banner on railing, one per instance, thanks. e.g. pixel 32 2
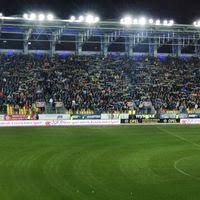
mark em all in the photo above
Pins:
pixel 115 116
pixel 15 117
pixel 54 116
pixel 19 117
pixel 75 117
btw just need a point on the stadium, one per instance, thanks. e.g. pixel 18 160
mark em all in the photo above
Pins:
pixel 94 109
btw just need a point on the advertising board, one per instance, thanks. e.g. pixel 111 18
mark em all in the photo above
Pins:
pixel 32 123
pixel 190 121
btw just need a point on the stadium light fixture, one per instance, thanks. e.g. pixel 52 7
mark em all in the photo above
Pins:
pixel 121 21
pixel 89 19
pixel 135 21
pixel 165 22
pixel 96 19
pixel 171 22
pixel 81 18
pixel 26 16
pixel 50 17
pixel 127 20
pixel 142 21
pixel 197 23
pixel 32 16
pixel 72 19
pixel 41 17
pixel 151 21
pixel 157 22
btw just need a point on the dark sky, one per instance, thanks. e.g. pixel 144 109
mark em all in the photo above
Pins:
pixel 182 11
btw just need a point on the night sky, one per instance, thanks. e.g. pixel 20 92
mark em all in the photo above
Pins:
pixel 182 11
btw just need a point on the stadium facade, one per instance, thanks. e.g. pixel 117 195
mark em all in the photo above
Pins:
pixel 18 35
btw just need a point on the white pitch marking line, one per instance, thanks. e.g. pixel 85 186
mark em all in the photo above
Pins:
pixel 180 170
pixel 181 138
pixel 183 158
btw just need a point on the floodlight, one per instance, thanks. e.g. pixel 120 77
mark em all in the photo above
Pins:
pixel 89 19
pixel 171 22
pixel 127 20
pixel 142 21
pixel 197 23
pixel 50 17
pixel 135 21
pixel 72 18
pixel 1 14
pixel 150 21
pixel 96 19
pixel 32 16
pixel 29 43
pixel 81 18
pixel 25 16
pixel 165 22
pixel 157 22
pixel 41 17
pixel 121 21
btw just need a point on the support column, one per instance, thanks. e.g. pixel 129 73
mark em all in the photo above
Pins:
pixel 53 44
pixel 176 48
pixel 25 44
pixel 79 44
pixel 129 45
pixel 26 39
pixel 153 47
pixel 104 45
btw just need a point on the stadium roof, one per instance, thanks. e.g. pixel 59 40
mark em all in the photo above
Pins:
pixel 42 34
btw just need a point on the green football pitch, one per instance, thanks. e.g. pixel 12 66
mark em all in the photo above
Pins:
pixel 100 163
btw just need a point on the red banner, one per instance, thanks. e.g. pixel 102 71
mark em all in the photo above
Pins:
pixel 19 117
pixel 15 117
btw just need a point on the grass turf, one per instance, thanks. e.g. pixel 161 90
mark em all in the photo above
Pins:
pixel 100 163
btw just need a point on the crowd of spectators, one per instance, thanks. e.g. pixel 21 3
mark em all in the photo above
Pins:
pixel 97 84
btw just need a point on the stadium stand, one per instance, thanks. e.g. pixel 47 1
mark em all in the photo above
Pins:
pixel 94 84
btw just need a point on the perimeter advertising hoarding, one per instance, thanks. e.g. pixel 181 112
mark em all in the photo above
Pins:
pixel 31 123
pixel 194 115
pixel 149 121
pixel 169 116
pixel 190 121
pixel 140 121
